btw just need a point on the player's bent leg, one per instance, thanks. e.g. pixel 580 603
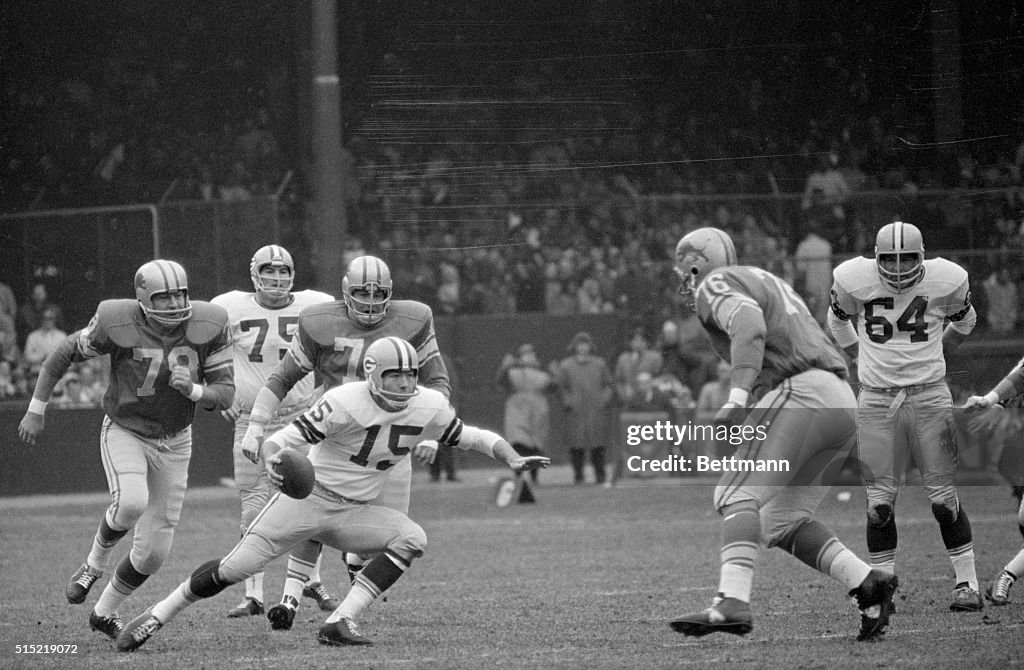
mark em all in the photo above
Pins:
pixel 369 529
pixel 396 495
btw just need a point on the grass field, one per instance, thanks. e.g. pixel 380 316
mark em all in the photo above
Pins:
pixel 585 578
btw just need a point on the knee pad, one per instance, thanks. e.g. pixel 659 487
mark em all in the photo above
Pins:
pixel 409 543
pixel 128 508
pixel 945 515
pixel 880 516
pixel 205 582
pixel 782 534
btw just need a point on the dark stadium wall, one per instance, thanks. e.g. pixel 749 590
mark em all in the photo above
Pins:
pixel 67 459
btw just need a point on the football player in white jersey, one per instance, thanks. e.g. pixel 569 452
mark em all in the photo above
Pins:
pixel 261 325
pixel 358 432
pixel 902 304
pixel 330 341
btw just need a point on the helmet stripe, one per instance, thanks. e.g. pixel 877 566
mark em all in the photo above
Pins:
pixel 399 354
pixel 161 266
pixel 727 246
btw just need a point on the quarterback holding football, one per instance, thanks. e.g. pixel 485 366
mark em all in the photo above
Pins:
pixel 358 432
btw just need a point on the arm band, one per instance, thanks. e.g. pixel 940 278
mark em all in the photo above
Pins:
pixel 965 325
pixel 37 406
pixel 197 392
pixel 842 330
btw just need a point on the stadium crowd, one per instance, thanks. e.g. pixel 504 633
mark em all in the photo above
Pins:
pixel 567 208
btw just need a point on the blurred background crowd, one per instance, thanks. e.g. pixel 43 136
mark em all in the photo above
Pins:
pixel 544 161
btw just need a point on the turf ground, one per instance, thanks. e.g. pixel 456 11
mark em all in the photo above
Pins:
pixel 585 578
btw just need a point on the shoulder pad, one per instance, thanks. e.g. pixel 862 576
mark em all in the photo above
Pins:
pixel 114 313
pixel 410 309
pixel 855 272
pixel 432 398
pixel 945 270
pixel 120 320
pixel 324 321
pixel 207 322
pixel 225 300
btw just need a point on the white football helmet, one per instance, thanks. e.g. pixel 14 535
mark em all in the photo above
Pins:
pixel 385 355
pixel 274 256
pixel 371 277
pixel 698 254
pixel 894 243
pixel 162 276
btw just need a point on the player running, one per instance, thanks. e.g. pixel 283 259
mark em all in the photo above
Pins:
pixel 330 340
pixel 902 303
pixel 359 432
pixel 167 354
pixel 783 362
pixel 261 325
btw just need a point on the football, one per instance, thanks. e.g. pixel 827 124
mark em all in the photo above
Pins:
pixel 298 474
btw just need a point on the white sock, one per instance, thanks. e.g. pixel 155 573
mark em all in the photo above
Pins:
pixel 358 599
pixel 179 599
pixel 848 569
pixel 292 589
pixel 1016 565
pixel 963 565
pixel 254 587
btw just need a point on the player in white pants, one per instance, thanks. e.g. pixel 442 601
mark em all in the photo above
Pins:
pixel 261 324
pixel 358 431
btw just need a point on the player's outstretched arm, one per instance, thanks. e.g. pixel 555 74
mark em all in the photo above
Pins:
pixel 54 367
pixel 495 446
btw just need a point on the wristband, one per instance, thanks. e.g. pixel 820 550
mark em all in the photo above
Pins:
pixel 991 398
pixel 738 397
pixel 197 392
pixel 37 406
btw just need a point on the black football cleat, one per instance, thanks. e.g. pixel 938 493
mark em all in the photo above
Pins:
pixel 138 631
pixel 323 597
pixel 248 607
pixel 81 583
pixel 282 615
pixel 728 615
pixel 110 626
pixel 874 600
pixel 342 633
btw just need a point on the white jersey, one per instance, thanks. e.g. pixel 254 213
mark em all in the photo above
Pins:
pixel 260 337
pixel 356 442
pixel 900 334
